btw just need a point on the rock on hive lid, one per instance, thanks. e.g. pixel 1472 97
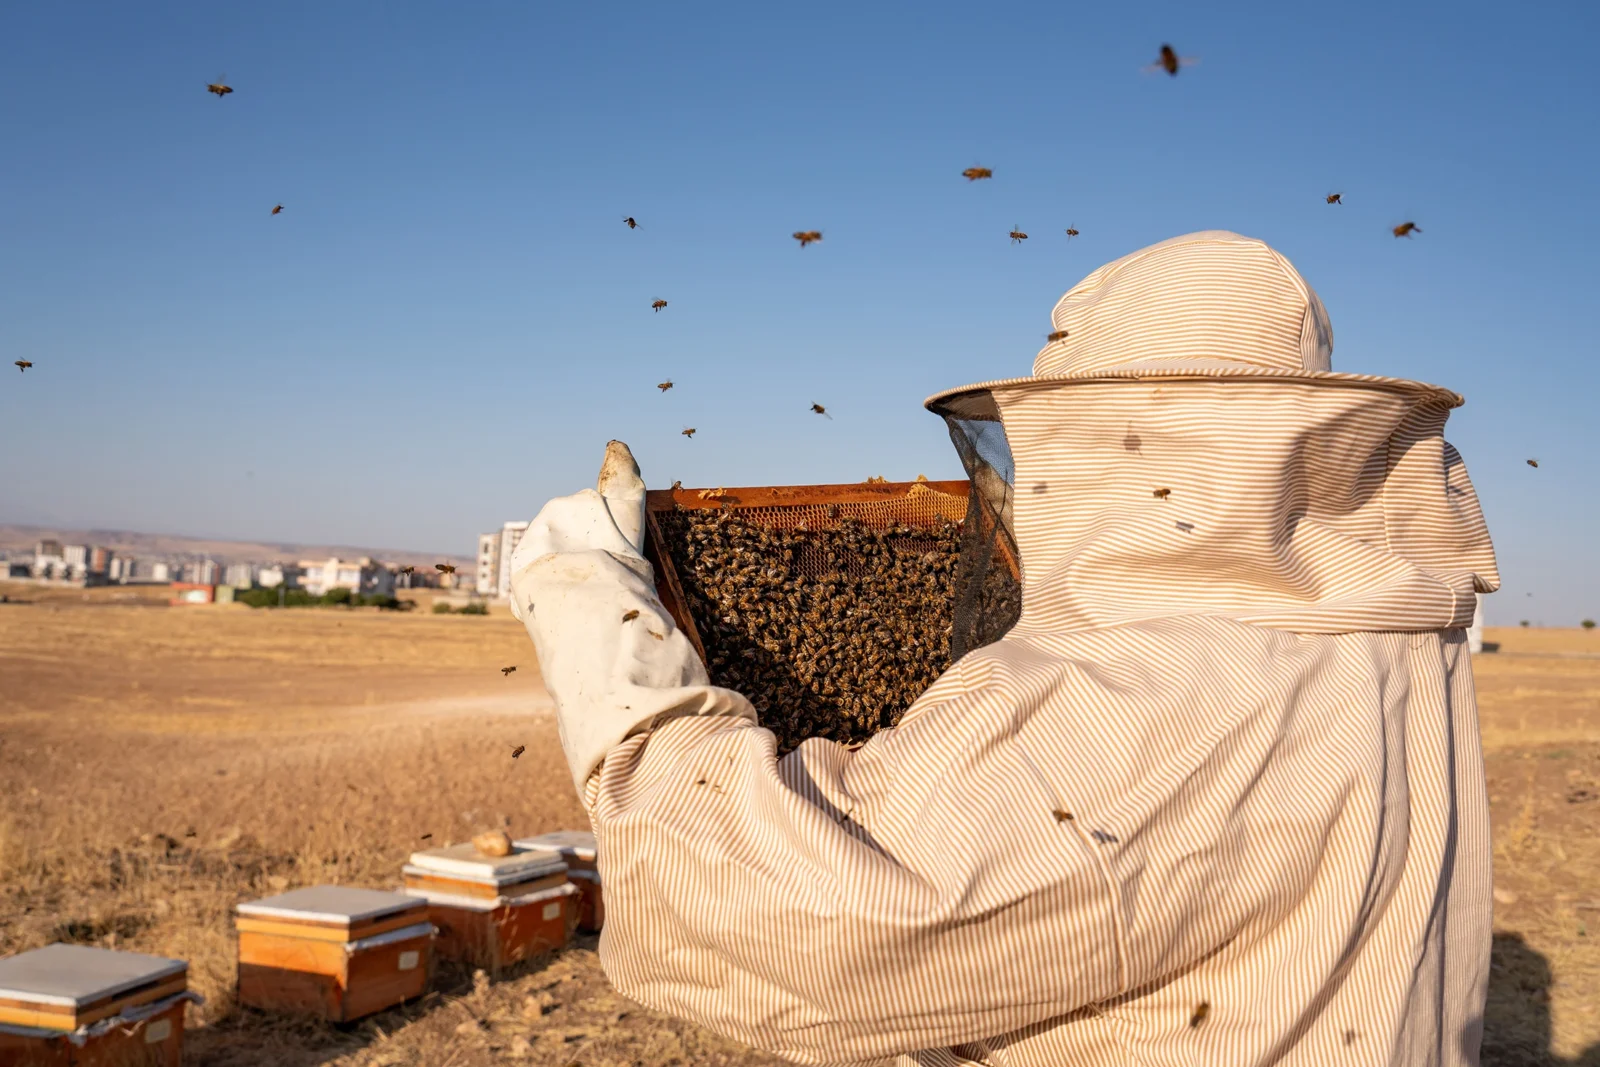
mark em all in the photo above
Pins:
pixel 330 904
pixel 579 844
pixel 464 861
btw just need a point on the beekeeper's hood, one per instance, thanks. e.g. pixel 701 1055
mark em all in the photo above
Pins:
pixel 1184 447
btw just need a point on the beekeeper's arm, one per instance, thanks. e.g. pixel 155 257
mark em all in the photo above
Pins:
pixel 739 891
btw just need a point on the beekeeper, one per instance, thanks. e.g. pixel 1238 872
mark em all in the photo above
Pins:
pixel 1218 796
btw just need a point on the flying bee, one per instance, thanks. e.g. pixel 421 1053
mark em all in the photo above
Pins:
pixel 631 224
pixel 1170 61
pixel 629 616
pixel 1161 494
pixel 278 209
pixel 973 174
pixel 1533 463
pixel 1406 229
pixel 408 569
pixel 506 671
pixel 1059 335
pixel 519 750
pixel 1071 233
pixel 1201 1010
pixel 658 637
pixel 1017 236
pixel 1335 198
pixel 658 305
pixel 220 87
pixel 427 837
pixel 445 568
pixel 805 237
pixel 664 386
pixel 23 365
pixel 688 431
pixel 677 484
pixel 820 410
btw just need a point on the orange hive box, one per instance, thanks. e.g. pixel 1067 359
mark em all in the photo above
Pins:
pixel 493 910
pixel 333 951
pixel 70 1005
pixel 578 851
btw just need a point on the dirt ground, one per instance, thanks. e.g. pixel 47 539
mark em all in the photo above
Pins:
pixel 158 765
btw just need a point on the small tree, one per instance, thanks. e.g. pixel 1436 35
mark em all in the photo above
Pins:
pixel 1587 624
pixel 1524 622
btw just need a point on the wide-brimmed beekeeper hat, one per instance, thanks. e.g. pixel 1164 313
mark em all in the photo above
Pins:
pixel 1212 304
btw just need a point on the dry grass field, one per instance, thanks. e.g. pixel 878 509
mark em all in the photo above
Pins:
pixel 159 764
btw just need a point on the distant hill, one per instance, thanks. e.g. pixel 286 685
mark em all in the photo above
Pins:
pixel 21 539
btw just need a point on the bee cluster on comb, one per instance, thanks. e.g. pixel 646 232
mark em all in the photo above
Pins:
pixel 832 629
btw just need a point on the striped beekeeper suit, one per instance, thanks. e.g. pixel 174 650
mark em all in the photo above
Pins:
pixel 1217 797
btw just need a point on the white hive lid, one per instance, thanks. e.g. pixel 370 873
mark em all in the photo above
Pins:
pixel 328 903
pixel 579 843
pixel 76 975
pixel 465 861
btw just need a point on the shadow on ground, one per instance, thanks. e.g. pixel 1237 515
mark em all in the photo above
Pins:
pixel 1516 1020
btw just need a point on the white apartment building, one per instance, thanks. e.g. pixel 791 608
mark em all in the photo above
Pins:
pixel 275 574
pixel 494 559
pixel 488 563
pixel 239 575
pixel 364 575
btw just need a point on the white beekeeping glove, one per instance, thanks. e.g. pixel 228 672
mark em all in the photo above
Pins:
pixel 608 651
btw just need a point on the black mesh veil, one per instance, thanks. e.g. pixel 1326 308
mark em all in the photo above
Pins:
pixel 988 585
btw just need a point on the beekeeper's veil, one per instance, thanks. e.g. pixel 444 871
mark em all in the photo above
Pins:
pixel 1183 446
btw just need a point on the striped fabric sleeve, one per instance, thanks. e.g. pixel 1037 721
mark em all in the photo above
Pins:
pixel 741 893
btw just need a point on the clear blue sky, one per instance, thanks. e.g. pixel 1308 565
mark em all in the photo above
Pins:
pixel 449 319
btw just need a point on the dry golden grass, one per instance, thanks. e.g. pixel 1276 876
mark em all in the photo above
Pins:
pixel 158 765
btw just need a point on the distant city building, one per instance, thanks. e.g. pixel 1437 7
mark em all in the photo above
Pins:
pixel 77 556
pixel 488 563
pixel 239 575
pixel 122 569
pixel 47 549
pixel 272 575
pixel 160 571
pixel 201 572
pixel 365 575
pixel 100 560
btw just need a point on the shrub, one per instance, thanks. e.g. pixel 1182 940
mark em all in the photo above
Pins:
pixel 441 608
pixel 477 607
pixel 268 598
pixel 1524 622
pixel 339 596
pixel 1587 624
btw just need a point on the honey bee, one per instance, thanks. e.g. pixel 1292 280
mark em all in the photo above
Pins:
pixel 1201 1010
pixel 1059 335
pixel 1017 236
pixel 519 750
pixel 1161 494
pixel 1170 61
pixel 664 386
pixel 506 671
pixel 805 237
pixel 23 365
pixel 1062 816
pixel 658 305
pixel 277 209
pixel 220 87
pixel 1406 229
pixel 629 616
pixel 631 224
pixel 820 410
pixel 408 569
pixel 973 174
pixel 688 431
pixel 445 568
pixel 1071 233
pixel 427 837
pixel 1335 198
pixel 658 637
pixel 1533 463
pixel 677 484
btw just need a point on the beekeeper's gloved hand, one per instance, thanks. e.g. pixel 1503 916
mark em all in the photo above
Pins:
pixel 609 652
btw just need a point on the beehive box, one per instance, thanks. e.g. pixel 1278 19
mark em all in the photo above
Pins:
pixel 577 850
pixel 493 911
pixel 76 1006
pixel 829 606
pixel 333 951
